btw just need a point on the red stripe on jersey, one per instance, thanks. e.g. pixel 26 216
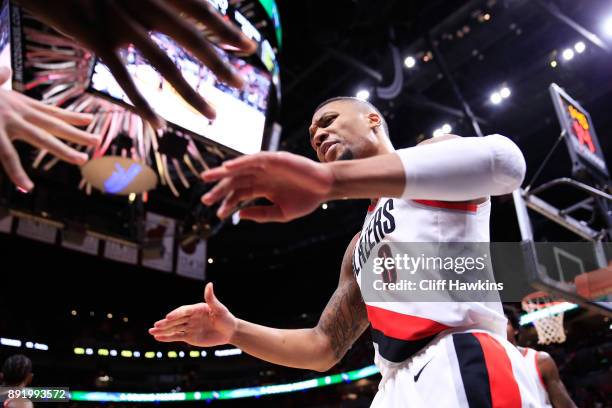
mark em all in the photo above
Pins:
pixel 449 205
pixel 504 389
pixel 373 204
pixel 401 326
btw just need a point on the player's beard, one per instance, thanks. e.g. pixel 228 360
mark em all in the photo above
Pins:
pixel 347 154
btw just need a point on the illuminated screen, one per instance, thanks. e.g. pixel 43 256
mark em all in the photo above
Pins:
pixel 208 396
pixel 581 139
pixel 581 133
pixel 5 38
pixel 580 127
pixel 241 114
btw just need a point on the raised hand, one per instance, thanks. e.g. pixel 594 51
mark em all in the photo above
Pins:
pixel 203 324
pixel 105 26
pixel 295 185
pixel 23 118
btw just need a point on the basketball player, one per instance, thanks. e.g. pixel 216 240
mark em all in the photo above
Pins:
pixel 16 374
pixel 429 354
pixel 551 391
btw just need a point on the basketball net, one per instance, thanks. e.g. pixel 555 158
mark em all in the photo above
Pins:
pixel 549 327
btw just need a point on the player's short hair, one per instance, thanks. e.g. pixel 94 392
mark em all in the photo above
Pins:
pixel 513 317
pixel 16 368
pixel 363 103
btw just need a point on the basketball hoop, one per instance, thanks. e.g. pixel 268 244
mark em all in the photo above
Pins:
pixel 550 326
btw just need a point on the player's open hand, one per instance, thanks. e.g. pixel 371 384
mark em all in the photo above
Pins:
pixel 294 184
pixel 203 324
pixel 26 119
pixel 105 26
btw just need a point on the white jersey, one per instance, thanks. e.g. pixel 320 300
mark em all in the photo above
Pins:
pixel 439 354
pixel 401 329
pixel 531 357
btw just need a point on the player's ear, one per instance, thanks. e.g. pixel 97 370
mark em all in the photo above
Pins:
pixel 374 119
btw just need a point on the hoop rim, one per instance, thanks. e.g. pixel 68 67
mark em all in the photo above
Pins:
pixel 527 299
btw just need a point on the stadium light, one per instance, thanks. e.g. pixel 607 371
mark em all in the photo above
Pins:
pixel 228 352
pixel 41 346
pixel 10 342
pixel 505 92
pixel 446 128
pixel 495 98
pixel 607 27
pixel 580 47
pixel 363 94
pixel 568 54
pixel 410 62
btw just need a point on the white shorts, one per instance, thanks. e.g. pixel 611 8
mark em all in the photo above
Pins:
pixel 476 370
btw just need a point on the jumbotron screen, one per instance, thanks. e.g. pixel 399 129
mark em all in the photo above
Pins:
pixel 241 113
pixel 5 38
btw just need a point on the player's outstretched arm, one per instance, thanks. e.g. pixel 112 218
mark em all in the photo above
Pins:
pixel 459 169
pixel 211 324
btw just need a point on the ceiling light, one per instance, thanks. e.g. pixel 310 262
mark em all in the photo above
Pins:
pixel 363 94
pixel 496 98
pixel 410 62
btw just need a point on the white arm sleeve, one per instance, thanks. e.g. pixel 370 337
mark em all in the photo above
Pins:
pixel 462 169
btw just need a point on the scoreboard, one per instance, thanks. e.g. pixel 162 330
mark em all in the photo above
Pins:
pixel 581 139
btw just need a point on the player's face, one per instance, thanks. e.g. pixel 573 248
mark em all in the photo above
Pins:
pixel 342 130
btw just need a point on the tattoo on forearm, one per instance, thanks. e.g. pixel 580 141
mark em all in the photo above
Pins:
pixel 344 318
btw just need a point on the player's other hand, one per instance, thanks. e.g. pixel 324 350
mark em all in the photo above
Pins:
pixel 26 119
pixel 294 184
pixel 105 26
pixel 204 324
